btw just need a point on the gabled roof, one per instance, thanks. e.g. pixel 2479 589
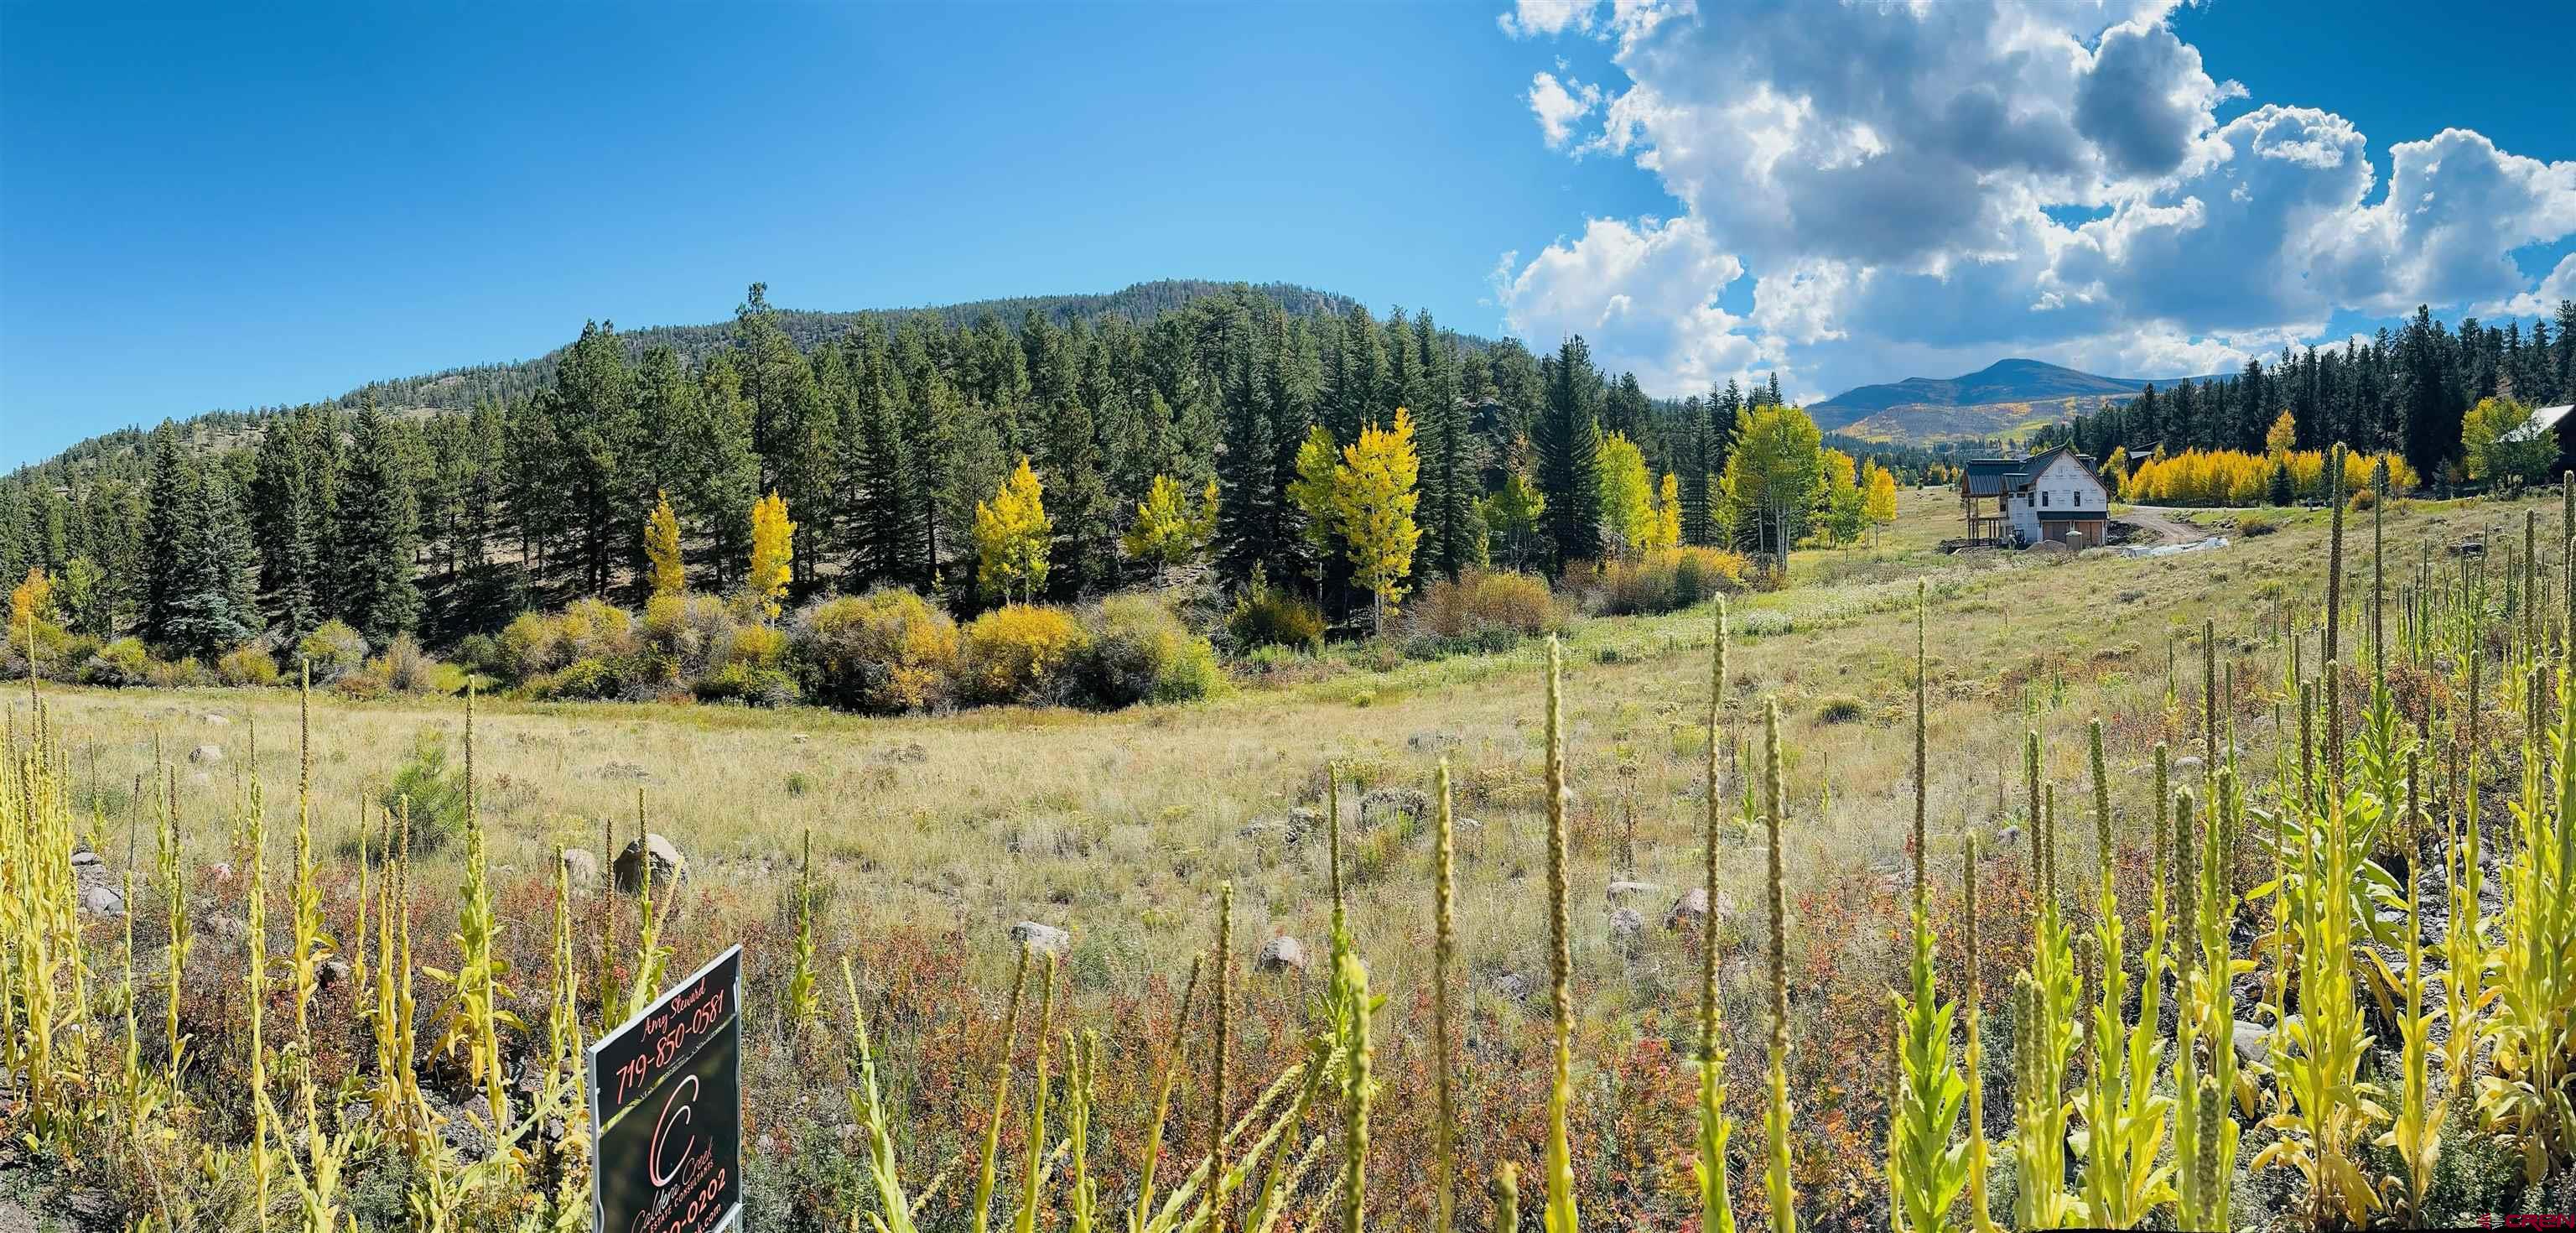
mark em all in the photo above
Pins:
pixel 2543 421
pixel 1994 477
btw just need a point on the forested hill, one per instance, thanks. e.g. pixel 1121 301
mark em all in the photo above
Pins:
pixel 457 389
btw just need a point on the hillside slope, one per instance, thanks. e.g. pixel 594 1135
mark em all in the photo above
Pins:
pixel 2005 398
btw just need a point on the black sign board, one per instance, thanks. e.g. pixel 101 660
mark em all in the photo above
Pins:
pixel 666 1110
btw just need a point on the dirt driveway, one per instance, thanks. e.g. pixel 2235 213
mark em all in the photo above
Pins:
pixel 2158 525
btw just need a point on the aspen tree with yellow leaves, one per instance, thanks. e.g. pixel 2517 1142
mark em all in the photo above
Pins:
pixel 773 552
pixel 662 549
pixel 1375 492
pixel 1011 535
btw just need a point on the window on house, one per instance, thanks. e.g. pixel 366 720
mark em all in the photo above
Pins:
pixel 2043 499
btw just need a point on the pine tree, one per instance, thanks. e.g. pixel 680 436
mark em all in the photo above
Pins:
pixel 1452 538
pixel 593 408
pixel 721 483
pixel 1567 436
pixel 214 590
pixel 287 523
pixel 794 432
pixel 377 525
pixel 1248 515
pixel 171 491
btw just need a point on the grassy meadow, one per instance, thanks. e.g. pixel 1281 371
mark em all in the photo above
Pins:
pixel 932 836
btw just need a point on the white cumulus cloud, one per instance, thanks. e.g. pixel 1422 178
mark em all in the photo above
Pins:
pixel 1956 181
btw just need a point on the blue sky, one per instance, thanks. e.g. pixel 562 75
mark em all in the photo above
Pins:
pixel 201 211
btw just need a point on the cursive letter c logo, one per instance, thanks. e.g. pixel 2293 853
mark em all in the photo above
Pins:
pixel 653 1164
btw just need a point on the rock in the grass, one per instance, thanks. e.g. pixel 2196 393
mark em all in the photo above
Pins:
pixel 331 973
pixel 2187 762
pixel 1624 889
pixel 2252 1043
pixel 82 857
pixel 228 928
pixel 670 872
pixel 800 737
pixel 2008 839
pixel 1283 954
pixel 581 867
pixel 460 1127
pixel 1383 804
pixel 206 754
pixel 215 721
pixel 1304 823
pixel 100 901
pixel 1625 923
pixel 1691 909
pixel 1044 939
pixel 1511 986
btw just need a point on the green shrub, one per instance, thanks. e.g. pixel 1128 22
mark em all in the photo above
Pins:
pixel 246 665
pixel 1669 579
pixel 334 649
pixel 1141 652
pixel 406 668
pixel 1482 602
pixel 580 679
pixel 748 684
pixel 119 664
pixel 436 795
pixel 1269 616
pixel 590 629
pixel 181 674
pixel 1018 653
pixel 1840 709
pixel 2251 525
pixel 885 651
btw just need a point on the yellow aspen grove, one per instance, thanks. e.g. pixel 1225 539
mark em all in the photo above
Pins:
pixel 1627 493
pixel 32 600
pixel 1374 492
pixel 1011 535
pixel 773 550
pixel 662 548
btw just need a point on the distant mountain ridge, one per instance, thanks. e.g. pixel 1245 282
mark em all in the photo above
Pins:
pixel 2005 398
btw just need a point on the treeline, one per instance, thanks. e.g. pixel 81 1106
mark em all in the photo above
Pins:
pixel 883 442
pixel 2405 390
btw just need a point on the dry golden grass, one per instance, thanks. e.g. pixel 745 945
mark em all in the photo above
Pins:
pixel 1117 826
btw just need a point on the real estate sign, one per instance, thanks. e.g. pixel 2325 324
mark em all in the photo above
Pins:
pixel 666 1110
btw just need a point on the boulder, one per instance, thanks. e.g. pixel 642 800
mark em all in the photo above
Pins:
pixel 1625 924
pixel 1624 889
pixel 581 867
pixel 82 857
pixel 101 901
pixel 2253 1044
pixel 1304 824
pixel 206 754
pixel 1044 939
pixel 670 872
pixel 1283 954
pixel 2009 838
pixel 1691 909
pixel 331 973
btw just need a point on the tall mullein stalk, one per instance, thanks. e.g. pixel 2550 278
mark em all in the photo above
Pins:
pixel 1776 1181
pixel 2524 1100
pixel 1980 1211
pixel 1081 1081
pixel 2378 578
pixel 1033 1162
pixel 2320 1053
pixel 893 1212
pixel 564 1048
pixel 1219 1199
pixel 317 1181
pixel 1716 1204
pixel 2125 1119
pixel 1926 1169
pixel 473 1015
pixel 1444 952
pixel 2415 1132
pixel 651 957
pixel 1357 1089
pixel 400 1109
pixel 2465 992
pixel 2334 552
pixel 1507 1198
pixel 981 1212
pixel 174 904
pixel 1172 1064
pixel 1560 1216
pixel 2205 1136
pixel 2045 998
pixel 802 1004
pixel 263 1165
